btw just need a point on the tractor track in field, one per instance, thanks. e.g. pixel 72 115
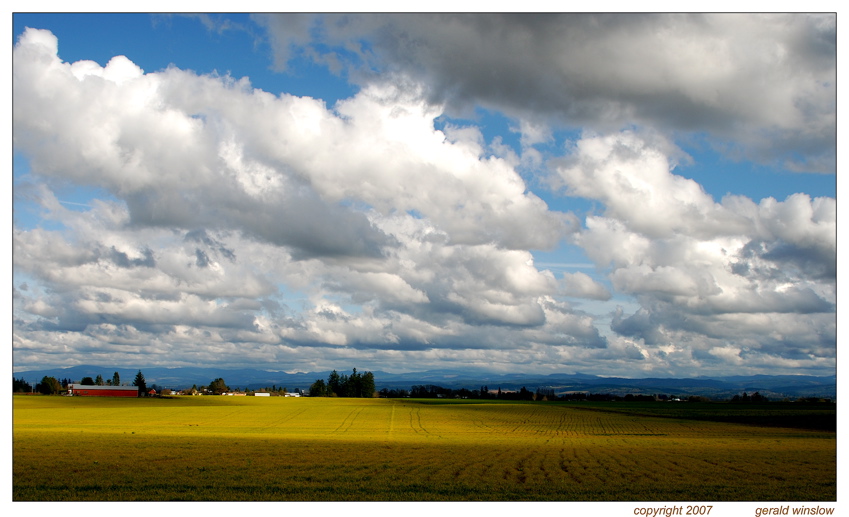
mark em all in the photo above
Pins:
pixel 416 422
pixel 348 421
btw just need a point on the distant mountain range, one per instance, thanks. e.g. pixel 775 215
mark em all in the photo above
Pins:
pixel 775 387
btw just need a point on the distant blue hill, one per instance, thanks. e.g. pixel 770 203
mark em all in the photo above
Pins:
pixel 774 387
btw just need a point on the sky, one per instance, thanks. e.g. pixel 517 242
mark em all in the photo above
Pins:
pixel 638 195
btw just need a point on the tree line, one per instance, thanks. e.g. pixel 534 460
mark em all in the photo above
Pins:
pixel 424 391
pixel 548 394
pixel 53 386
pixel 219 387
pixel 363 385
pixel 341 385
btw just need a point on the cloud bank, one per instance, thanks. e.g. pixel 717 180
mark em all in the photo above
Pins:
pixel 763 85
pixel 241 227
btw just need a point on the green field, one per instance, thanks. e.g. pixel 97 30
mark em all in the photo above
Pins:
pixel 328 449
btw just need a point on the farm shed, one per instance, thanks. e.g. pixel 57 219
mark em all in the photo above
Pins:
pixel 81 390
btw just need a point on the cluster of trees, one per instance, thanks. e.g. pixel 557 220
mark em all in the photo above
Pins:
pixel 51 386
pixel 21 386
pixel 276 390
pixel 755 398
pixel 47 386
pixel 354 385
pixel 218 386
pixel 98 381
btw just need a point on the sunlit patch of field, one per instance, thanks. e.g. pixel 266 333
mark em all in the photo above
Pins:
pixel 222 448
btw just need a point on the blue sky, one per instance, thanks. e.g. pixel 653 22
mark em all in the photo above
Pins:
pixel 407 192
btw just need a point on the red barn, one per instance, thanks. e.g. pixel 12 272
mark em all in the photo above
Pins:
pixel 80 390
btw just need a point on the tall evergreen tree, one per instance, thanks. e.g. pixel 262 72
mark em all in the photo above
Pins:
pixel 354 388
pixel 334 383
pixel 367 387
pixel 344 386
pixel 140 382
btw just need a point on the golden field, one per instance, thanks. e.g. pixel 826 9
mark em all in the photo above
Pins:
pixel 332 449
